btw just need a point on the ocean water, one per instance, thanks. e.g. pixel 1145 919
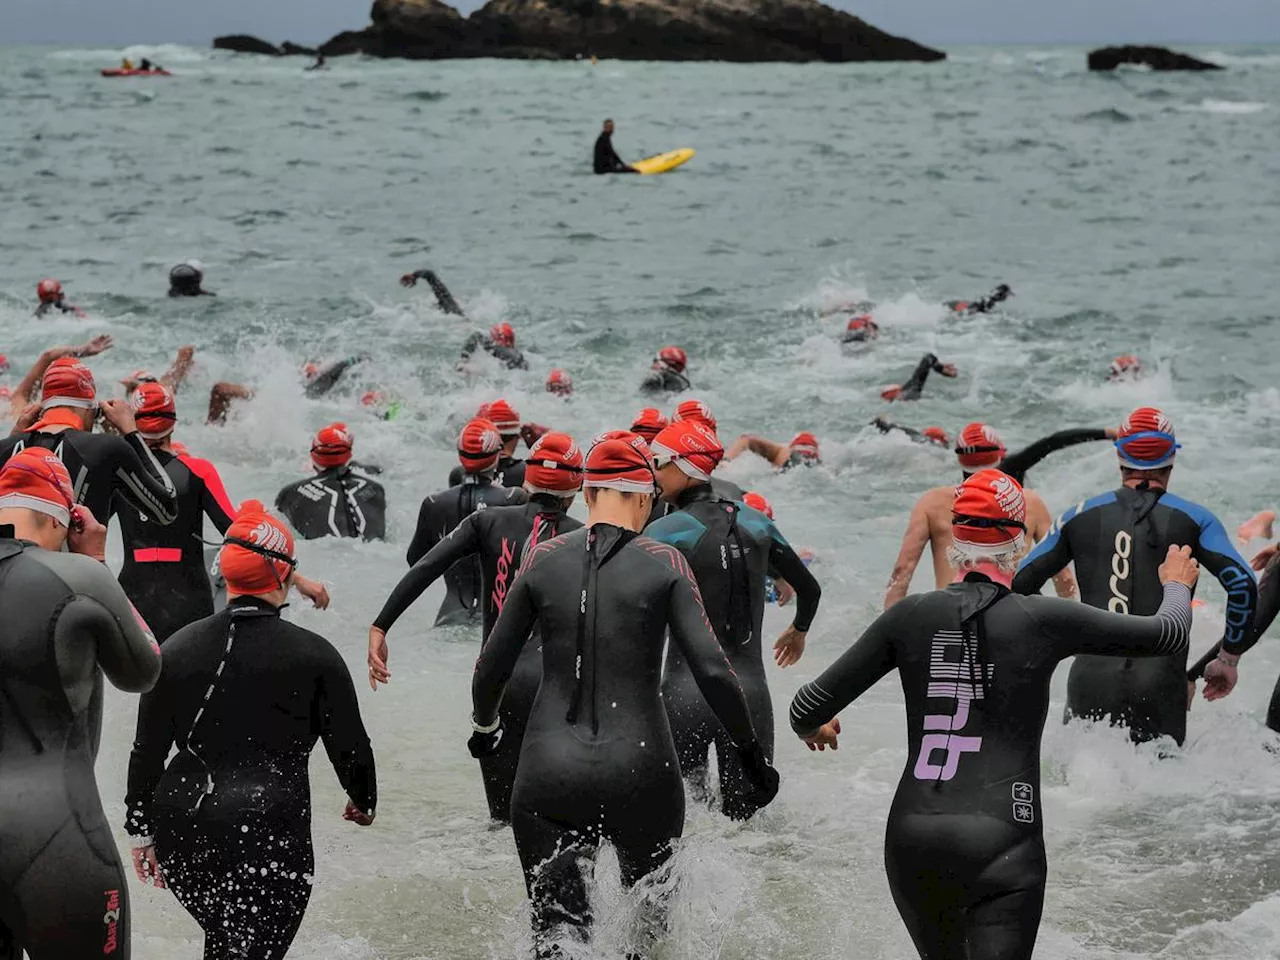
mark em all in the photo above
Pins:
pixel 1131 213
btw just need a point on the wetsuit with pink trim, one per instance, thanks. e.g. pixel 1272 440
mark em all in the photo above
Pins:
pixel 164 572
pixel 498 536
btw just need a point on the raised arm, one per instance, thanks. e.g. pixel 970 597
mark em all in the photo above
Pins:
pixel 21 395
pixel 1017 464
pixel 173 377
pixel 775 453
pixel 913 543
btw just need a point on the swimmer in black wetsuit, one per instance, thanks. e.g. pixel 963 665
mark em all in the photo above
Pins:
pixel 244 697
pixel 338 501
pixel 52 297
pixel 478 449
pixel 605 159
pixel 597 762
pixel 914 387
pixel 1116 540
pixel 101 465
pixel 935 435
pixel 983 304
pixel 979 447
pixel 802 451
pixel 320 380
pixel 1268 561
pixel 666 376
pixel 861 329
pixel 164 572
pixel 732 550
pixel 510 471
pixel 62 889
pixel 187 280
pixel 964 844
pixel 443 297
pixel 698 411
pixel 500 537
pixel 499 343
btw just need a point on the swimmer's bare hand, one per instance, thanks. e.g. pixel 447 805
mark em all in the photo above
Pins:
pixel 378 656
pixel 356 815
pixel 949 370
pixel 1264 557
pixel 1220 677
pixel 86 536
pixel 1111 433
pixel 789 647
pixel 1179 567
pixel 119 414
pixel 313 590
pixel 26 419
pixel 828 735
pixel 408 280
pixel 786 592
pixel 91 349
pixel 147 866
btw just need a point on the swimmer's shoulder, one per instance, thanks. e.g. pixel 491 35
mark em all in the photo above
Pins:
pixel 679 529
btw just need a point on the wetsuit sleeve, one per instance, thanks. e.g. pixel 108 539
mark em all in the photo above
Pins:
pixel 1077 628
pixel 328 378
pixel 785 564
pixel 213 495
pixel 472 344
pixel 1217 555
pixel 1017 464
pixel 653 383
pixel 143 482
pixel 336 718
pixel 127 652
pixel 915 384
pixel 502 649
pixel 154 736
pixel 884 426
pixel 424 537
pixel 462 542
pixel 857 670
pixel 1045 561
pixel 443 297
pixel 691 632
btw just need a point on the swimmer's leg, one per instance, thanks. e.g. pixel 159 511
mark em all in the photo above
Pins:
pixel 554 857
pixel 1003 925
pixel 646 863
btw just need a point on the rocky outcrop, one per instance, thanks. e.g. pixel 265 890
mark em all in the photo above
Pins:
pixel 1157 58
pixel 739 30
pixel 243 43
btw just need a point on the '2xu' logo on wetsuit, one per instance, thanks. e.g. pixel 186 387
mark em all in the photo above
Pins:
pixel 945 681
pixel 499 595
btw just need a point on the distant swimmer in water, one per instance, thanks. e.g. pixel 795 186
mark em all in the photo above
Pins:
pixel 598 762
pixel 649 422
pixel 732 550
pixel 802 451
pixel 979 447
pixel 187 280
pixel 66 623
pixel 509 471
pixel 964 842
pixel 244 697
pixel 321 379
pixel 443 297
pixel 479 448
pixel 914 387
pixel 698 412
pixel 606 159
pixel 666 376
pixel 320 63
pixel 500 537
pixel 775 591
pixel 339 501
pixel 52 298
pixel 500 343
pixel 20 396
pixel 559 384
pixel 1115 541
pixel 1126 368
pixel 861 329
pixel 934 435
pixel 983 304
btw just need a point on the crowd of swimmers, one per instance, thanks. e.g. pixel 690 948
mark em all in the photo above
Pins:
pixel 615 655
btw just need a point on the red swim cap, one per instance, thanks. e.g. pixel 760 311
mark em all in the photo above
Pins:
pixel 674 358
pixel 1127 365
pixel 979 446
pixel 332 447
pixel 989 516
pixel 806 445
pixel 479 446
pixel 937 435
pixel 554 466
pixel 891 393
pixel 560 383
pixel 757 502
pixel 503 416
pixel 620 460
pixel 310 370
pixel 862 321
pixel 690 445
pixel 649 422
pixel 1146 441
pixel 503 334
pixel 68 383
pixel 154 410
pixel 257 555
pixel 49 291
pixel 696 411
pixel 36 479
pixel 370 398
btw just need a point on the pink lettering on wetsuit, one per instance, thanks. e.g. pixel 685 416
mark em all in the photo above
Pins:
pixel 951 676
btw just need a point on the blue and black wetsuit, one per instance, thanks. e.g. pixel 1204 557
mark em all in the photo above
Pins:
pixel 1118 541
pixel 964 844
pixel 732 550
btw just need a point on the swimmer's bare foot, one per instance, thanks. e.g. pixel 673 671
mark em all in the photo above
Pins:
pixel 1257 528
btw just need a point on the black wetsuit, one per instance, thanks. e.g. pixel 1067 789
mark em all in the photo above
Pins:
pixel 664 381
pixel 509 473
pixel 1268 607
pixel 244 697
pixel 164 571
pixel 598 762
pixel 732 550
pixel 59 305
pixel 1017 464
pixel 606 160
pixel 62 889
pixel 103 465
pixel 511 358
pixel 914 386
pixel 982 304
pixel 916 436
pixel 336 503
pixel 499 536
pixel 328 378
pixel 1118 541
pixel 439 515
pixel 964 843
pixel 443 297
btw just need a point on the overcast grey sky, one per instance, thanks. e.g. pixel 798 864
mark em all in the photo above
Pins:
pixel 121 22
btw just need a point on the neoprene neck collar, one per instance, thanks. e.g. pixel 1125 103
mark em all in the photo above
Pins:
pixel 694 494
pixel 254 603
